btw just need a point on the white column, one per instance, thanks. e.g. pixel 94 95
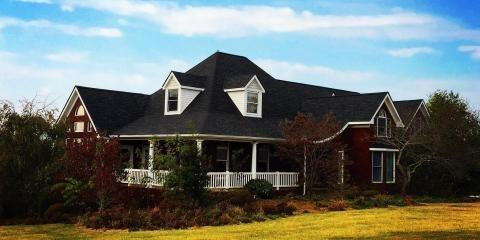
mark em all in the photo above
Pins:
pixel 199 146
pixel 151 152
pixel 254 160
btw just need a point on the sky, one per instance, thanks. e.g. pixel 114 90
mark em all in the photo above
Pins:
pixel 409 48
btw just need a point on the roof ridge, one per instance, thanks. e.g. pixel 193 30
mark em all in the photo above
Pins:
pixel 409 100
pixel 348 95
pixel 204 117
pixel 231 54
pixel 110 90
pixel 311 85
pixel 187 73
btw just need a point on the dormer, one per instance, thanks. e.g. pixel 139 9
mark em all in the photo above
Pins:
pixel 246 92
pixel 180 90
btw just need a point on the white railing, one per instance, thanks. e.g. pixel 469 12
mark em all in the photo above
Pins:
pixel 217 180
pixel 145 177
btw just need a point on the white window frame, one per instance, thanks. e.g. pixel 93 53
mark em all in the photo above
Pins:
pixel 227 161
pixel 259 104
pixel 167 91
pixel 341 166
pixel 77 114
pixel 381 167
pixel 75 128
pixel 394 167
pixel 89 127
pixel 382 114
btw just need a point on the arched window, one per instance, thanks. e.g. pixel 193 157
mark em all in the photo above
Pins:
pixel 80 111
pixel 382 124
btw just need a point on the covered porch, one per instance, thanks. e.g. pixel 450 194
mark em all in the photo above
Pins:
pixel 231 164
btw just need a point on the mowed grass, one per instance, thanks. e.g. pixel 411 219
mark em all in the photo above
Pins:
pixel 434 221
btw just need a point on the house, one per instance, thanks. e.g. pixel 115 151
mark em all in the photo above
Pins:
pixel 235 108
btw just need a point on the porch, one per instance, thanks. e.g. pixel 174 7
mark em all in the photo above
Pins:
pixel 217 180
pixel 231 164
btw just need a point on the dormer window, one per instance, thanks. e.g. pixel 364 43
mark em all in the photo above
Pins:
pixel 180 90
pixel 247 97
pixel 80 111
pixel 252 102
pixel 172 103
pixel 383 126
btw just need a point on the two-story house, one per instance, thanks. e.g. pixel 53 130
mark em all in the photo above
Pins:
pixel 233 108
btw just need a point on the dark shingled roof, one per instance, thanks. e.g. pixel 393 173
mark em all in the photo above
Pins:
pixel 349 108
pixel 190 80
pixel 110 109
pixel 406 109
pixel 237 81
pixel 213 112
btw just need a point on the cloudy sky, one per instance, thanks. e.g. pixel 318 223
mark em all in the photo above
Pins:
pixel 409 48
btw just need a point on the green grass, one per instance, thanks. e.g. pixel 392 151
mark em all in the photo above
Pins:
pixel 433 221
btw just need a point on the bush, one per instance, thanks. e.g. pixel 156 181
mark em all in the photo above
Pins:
pixel 370 193
pixel 270 207
pixel 240 197
pixel 337 205
pixel 286 208
pixel 259 188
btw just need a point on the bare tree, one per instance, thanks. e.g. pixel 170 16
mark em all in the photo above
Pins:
pixel 303 143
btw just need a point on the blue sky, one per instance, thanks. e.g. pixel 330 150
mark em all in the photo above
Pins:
pixel 409 48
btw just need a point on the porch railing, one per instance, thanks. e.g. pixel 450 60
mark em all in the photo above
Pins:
pixel 217 180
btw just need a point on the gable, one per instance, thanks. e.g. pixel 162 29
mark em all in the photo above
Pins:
pixel 68 112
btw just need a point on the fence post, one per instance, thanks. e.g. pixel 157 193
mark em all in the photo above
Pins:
pixel 277 180
pixel 227 180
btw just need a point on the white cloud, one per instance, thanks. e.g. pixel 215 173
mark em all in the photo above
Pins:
pixel 239 21
pixel 312 74
pixel 68 56
pixel 25 77
pixel 410 52
pixel 64 28
pixel 36 1
pixel 474 51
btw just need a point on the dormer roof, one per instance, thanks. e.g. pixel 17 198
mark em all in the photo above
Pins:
pixel 186 80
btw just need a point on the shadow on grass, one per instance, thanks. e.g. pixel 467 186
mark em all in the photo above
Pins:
pixel 465 234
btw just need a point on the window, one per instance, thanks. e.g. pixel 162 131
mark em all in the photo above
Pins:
pixel 377 167
pixel 382 124
pixel 89 127
pixel 390 165
pixel 172 103
pixel 341 167
pixel 78 126
pixel 263 158
pixel 80 111
pixel 222 158
pixel 252 102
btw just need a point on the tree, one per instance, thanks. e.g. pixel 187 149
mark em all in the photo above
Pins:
pixel 314 146
pixel 413 152
pixel 187 175
pixel 446 146
pixel 453 134
pixel 94 162
pixel 30 143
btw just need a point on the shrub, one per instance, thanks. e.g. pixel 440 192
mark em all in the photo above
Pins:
pixel 240 197
pixel 370 193
pixel 408 200
pixel 259 188
pixel 55 213
pixel 252 208
pixel 286 208
pixel 270 207
pixel 337 205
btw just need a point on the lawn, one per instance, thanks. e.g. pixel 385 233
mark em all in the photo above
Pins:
pixel 433 221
